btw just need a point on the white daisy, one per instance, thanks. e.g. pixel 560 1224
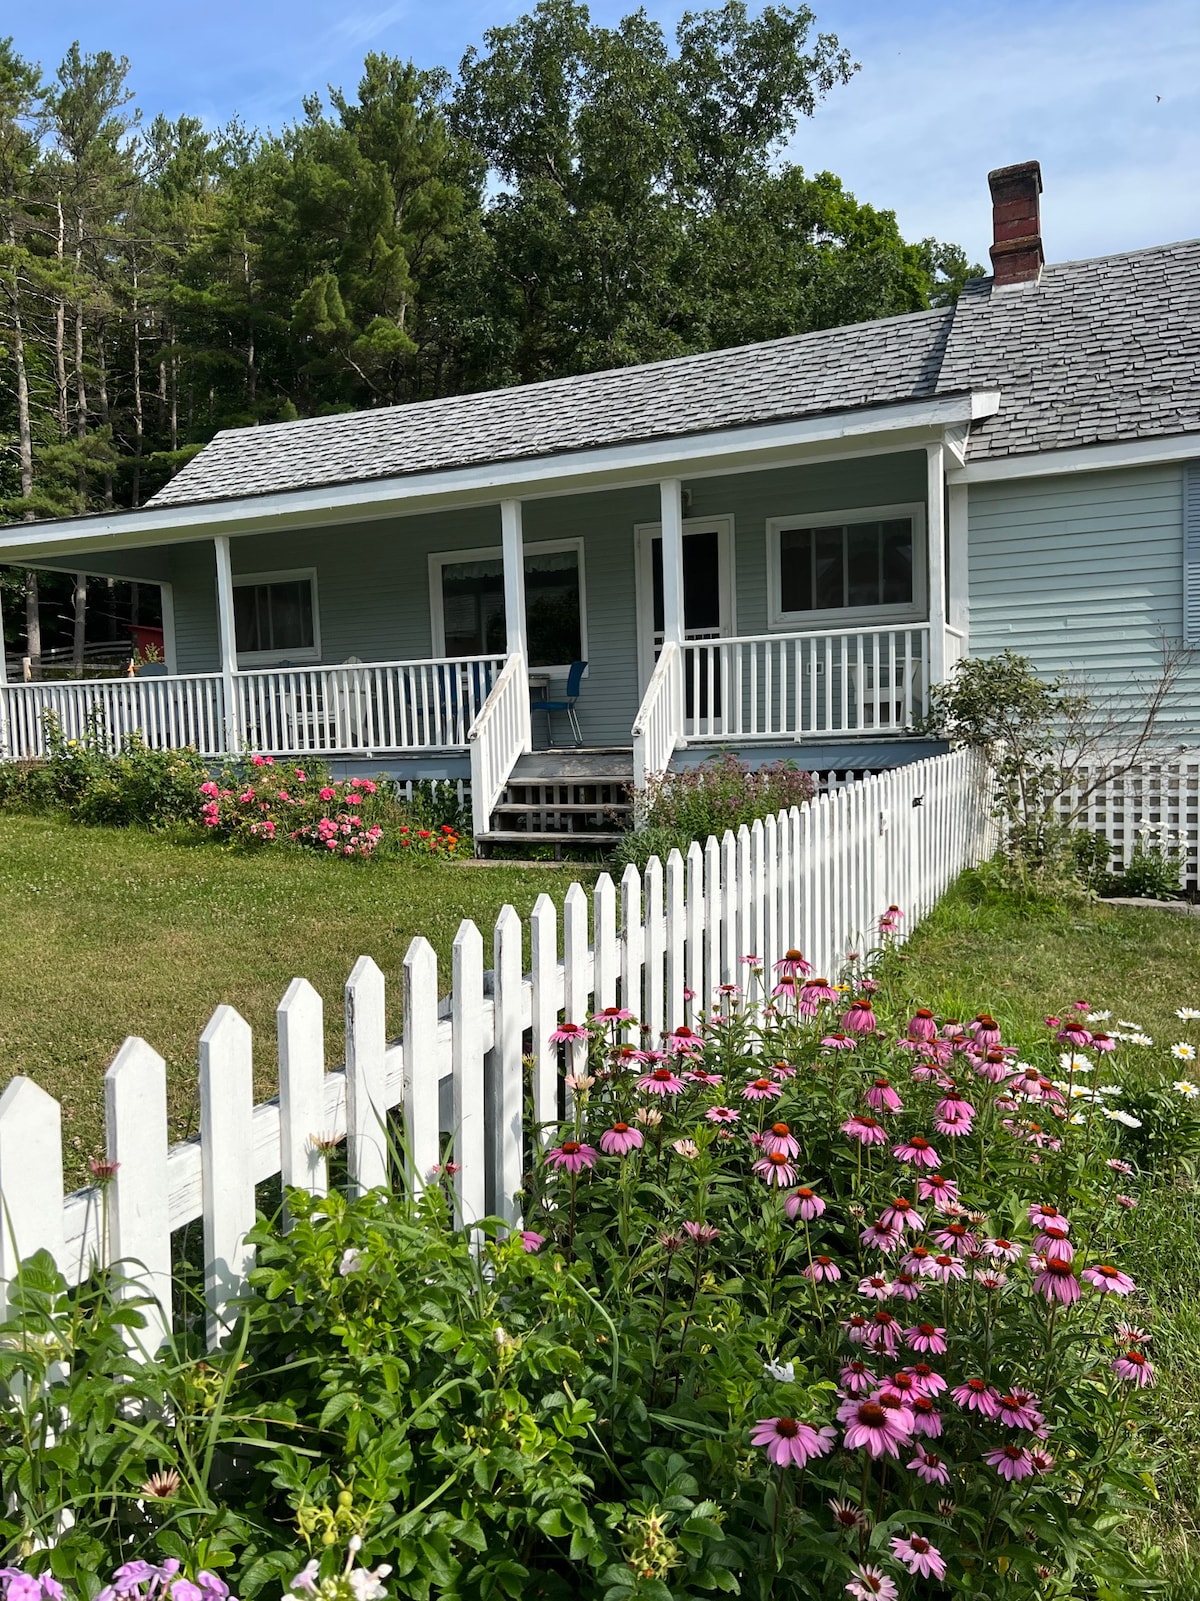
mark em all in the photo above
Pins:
pixel 1074 1063
pixel 1183 1052
pixel 1078 1119
pixel 1115 1115
pixel 782 1372
pixel 1188 1014
pixel 1097 1017
pixel 1109 1089
pixel 1135 1039
pixel 1123 1022
pixel 1185 1087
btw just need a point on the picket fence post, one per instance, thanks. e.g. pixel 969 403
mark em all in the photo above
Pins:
pixel 31 1178
pixel 543 959
pixel 137 1200
pixel 466 1066
pixel 300 1033
pixel 421 1097
pixel 506 1101
pixel 677 935
pixel 654 950
pixel 366 1090
pixel 226 1110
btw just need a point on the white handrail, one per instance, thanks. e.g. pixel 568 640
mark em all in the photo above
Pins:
pixel 658 727
pixel 497 737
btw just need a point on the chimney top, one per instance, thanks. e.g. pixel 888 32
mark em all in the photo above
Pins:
pixel 1016 251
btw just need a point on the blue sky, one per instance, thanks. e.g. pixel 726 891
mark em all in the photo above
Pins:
pixel 1106 95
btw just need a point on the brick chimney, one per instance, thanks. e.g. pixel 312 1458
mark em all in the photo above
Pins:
pixel 1016 224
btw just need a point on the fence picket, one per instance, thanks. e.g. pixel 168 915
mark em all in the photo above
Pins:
pixel 604 912
pixel 631 952
pixel 139 1221
pixel 30 1178
pixel 729 909
pixel 421 1096
pixel 654 949
pixel 706 994
pixel 300 1031
pixel 506 1100
pixel 544 1006
pixel 694 969
pixel 366 1094
pixel 226 1114
pixel 677 939
pixel 466 1067
pixel 577 975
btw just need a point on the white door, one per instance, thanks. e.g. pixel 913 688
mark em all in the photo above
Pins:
pixel 708 611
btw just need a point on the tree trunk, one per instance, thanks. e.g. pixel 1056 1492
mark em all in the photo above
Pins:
pixel 138 420
pixel 80 635
pixel 33 623
pixel 24 424
pixel 60 331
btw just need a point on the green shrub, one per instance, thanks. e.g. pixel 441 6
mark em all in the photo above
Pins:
pixel 721 793
pixel 1153 869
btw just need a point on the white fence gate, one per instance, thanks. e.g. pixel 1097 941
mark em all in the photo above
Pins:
pixel 817 877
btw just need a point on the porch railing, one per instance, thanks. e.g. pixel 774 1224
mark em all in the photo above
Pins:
pixel 658 728
pixel 793 686
pixel 357 708
pixel 498 736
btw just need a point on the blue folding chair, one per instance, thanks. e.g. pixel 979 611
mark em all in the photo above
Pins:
pixel 567 704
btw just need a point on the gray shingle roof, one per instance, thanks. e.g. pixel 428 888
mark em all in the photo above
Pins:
pixel 1097 351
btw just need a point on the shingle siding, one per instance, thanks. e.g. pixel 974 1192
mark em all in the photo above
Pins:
pixel 1084 575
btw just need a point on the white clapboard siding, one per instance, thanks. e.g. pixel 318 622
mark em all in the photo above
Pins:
pixel 817 877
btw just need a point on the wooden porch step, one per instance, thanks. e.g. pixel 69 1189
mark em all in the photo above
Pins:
pixel 601 764
pixel 516 836
pixel 564 806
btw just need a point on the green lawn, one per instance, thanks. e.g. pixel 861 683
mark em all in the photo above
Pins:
pixel 106 932
pixel 977 949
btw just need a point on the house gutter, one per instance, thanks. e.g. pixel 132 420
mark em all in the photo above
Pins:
pixel 910 424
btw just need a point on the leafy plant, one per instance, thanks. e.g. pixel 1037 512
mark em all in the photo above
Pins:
pixel 720 793
pixel 1153 867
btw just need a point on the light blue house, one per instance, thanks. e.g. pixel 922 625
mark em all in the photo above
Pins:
pixel 775 549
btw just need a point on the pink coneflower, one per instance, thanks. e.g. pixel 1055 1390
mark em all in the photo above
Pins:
pixel 977 1395
pixel 1011 1462
pixel 870 1583
pixel 927 1420
pixel 879 1238
pixel 866 1130
pixel 884 1333
pixel 859 1018
pixel 1017 1411
pixel 776 1168
pixel 955 1108
pixel 568 1034
pixel 1043 1460
pixel 877 1427
pixel 573 1155
pixel 920 1260
pixel 793 964
pixel 918 1151
pixel 762 1089
pixel 785 985
pixel 846 1515
pixel 613 1014
pixel 1074 1034
pixel 957 1239
pixel 722 1114
pixel 905 1286
pixel 531 1240
pixel 919 1556
pixel 579 1082
pixel 1107 1279
pixel 933 1187
pixel 1040 1215
pixel 660 1081
pixel 881 1097
pixel 890 919
pixel 1103 1043
pixel 804 1203
pixel 683 1041
pixel 993 1066
pixel 990 1278
pixel 822 1270
pixel 946 1267
pixel 782 1070
pixel 856 1378
pixel 1115 1165
pixel 630 1056
pixel 1003 1250
pixel 1056 1281
pixel 857 1328
pixel 1053 1241
pixel 698 1075
pixel 818 992
pixel 953 1031
pixel 1132 1334
pixel 929 1467
pixel 922 1025
pixel 876 1286
pixel 1127 1202
pixel 1134 1367
pixel 927 1382
pixel 779 1138
pixel 901 1214
pixel 927 1339
pixel 701 1233
pixel 620 1139
pixel 790 1444
pixel 837 1041
pixel 986 1031
pixel 901 1385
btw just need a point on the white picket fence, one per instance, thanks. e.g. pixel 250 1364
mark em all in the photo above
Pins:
pixel 1160 797
pixel 817 877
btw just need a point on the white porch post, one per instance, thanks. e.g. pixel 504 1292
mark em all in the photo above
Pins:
pixel 516 642
pixel 228 637
pixel 958 579
pixel 671 492
pixel 936 542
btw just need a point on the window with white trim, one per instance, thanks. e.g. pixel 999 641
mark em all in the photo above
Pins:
pixel 847 567
pixel 275 617
pixel 467 596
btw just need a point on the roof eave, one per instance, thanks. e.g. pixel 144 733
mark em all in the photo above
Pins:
pixel 609 466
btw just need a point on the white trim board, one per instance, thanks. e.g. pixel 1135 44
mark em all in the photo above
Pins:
pixel 1084 459
pixel 710 454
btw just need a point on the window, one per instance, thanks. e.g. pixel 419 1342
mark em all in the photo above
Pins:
pixel 859 565
pixel 275 616
pixel 467 592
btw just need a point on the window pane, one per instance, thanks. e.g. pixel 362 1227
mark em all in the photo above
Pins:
pixel 552 608
pixel 897 542
pixel 274 617
pixel 473 607
pixel 795 569
pixel 863 585
pixel 831 572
